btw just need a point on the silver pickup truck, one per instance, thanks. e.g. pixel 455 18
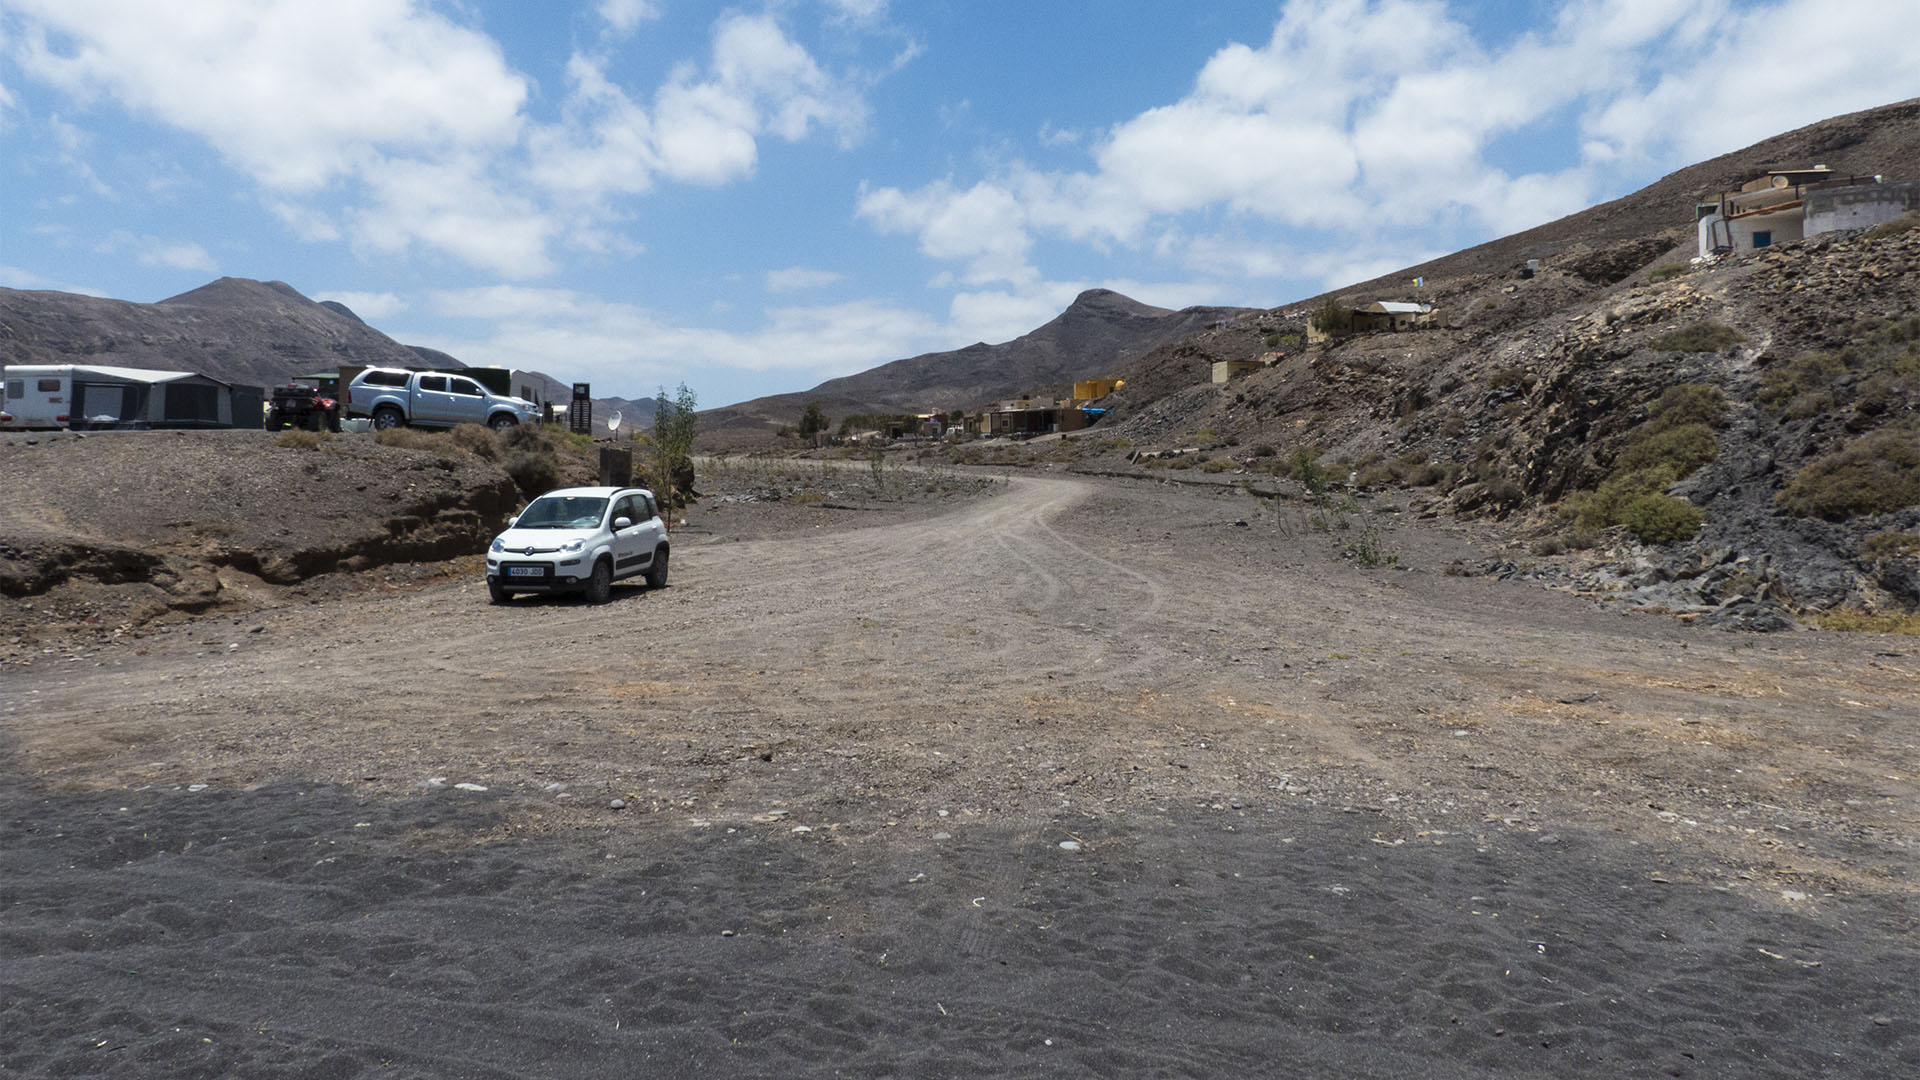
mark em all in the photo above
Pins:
pixel 396 396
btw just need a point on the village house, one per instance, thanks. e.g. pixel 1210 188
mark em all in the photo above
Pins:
pixel 1793 204
pixel 1382 315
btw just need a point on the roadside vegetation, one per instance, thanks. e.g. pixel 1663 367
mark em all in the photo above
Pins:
pixel 1675 440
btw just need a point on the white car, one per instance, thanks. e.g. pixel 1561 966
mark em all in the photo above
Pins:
pixel 579 540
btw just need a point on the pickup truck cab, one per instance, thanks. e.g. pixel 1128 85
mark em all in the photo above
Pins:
pixel 579 540
pixel 395 396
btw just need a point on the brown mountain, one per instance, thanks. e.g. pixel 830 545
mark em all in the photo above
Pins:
pixel 235 329
pixel 1100 332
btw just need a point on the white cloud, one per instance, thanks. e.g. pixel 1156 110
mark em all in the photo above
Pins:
pixel 985 226
pixel 1364 120
pixel 296 94
pixel 73 144
pixel 626 348
pixel 367 305
pixel 623 16
pixel 864 11
pixel 801 278
pixel 387 123
pixel 155 251
pixel 14 277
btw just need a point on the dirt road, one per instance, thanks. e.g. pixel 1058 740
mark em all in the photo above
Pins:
pixel 1183 685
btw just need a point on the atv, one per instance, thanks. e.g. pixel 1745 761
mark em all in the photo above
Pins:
pixel 299 405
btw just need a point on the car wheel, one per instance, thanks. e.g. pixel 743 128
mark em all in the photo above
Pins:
pixel 497 594
pixel 657 572
pixel 502 422
pixel 600 585
pixel 386 416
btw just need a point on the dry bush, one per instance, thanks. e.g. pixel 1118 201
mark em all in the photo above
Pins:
pixel 411 438
pixel 1700 337
pixel 476 439
pixel 300 439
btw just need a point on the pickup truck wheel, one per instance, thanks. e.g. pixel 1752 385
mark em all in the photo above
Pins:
pixel 497 594
pixel 502 422
pixel 657 571
pixel 600 585
pixel 386 416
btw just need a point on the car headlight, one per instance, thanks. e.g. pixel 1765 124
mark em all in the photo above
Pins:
pixel 572 546
pixel 498 546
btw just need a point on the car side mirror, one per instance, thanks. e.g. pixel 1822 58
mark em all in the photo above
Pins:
pixel 512 521
pixel 622 522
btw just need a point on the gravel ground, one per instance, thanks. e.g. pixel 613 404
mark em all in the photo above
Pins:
pixel 1054 776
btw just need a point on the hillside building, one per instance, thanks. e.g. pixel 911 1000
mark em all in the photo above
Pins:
pixel 1793 204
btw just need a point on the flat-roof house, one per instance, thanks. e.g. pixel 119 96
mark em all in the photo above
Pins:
pixel 1793 204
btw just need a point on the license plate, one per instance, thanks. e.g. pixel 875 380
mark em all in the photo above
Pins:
pixel 526 571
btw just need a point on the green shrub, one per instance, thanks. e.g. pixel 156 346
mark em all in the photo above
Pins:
pixel 1263 450
pixel 1661 519
pixel 1807 373
pixel 1689 403
pixel 533 472
pixel 1304 466
pixel 1271 340
pixel 1668 272
pixel 1700 337
pixel 1217 465
pixel 1875 474
pixel 1603 507
pixel 1679 450
pixel 1889 545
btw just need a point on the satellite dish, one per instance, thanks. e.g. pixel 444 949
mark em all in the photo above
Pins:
pixel 613 421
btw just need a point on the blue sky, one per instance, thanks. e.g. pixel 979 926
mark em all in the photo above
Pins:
pixel 754 198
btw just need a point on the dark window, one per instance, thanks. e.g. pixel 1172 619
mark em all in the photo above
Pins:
pixel 1762 239
pixel 385 378
pixel 464 386
pixel 434 382
pixel 17 388
pixel 48 386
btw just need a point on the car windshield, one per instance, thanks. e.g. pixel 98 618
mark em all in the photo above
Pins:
pixel 563 512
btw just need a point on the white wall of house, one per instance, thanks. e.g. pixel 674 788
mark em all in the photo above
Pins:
pixel 1860 207
pixel 1751 232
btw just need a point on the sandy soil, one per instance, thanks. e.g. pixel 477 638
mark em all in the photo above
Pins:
pixel 1085 777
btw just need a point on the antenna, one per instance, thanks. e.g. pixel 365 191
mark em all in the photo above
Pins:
pixel 613 421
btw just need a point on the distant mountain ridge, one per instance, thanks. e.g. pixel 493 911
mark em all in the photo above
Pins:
pixel 234 329
pixel 1101 332
pixel 256 333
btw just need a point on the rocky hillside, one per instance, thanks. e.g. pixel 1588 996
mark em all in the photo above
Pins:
pixel 1100 332
pixel 1738 440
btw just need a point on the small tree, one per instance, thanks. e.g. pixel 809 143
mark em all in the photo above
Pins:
pixel 1333 317
pixel 813 421
pixel 673 428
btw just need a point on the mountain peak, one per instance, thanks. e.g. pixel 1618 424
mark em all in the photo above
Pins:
pixel 1108 302
pixel 237 291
